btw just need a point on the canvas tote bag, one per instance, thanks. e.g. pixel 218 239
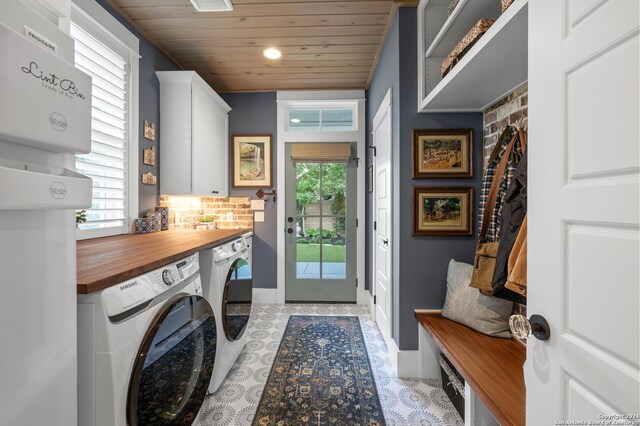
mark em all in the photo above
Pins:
pixel 485 259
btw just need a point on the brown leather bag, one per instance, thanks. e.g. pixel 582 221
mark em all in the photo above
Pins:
pixel 485 260
pixel 517 280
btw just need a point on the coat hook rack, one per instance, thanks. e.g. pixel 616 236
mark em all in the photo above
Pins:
pixel 261 194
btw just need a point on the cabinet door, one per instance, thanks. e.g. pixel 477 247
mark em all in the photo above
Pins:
pixel 202 143
pixel 220 145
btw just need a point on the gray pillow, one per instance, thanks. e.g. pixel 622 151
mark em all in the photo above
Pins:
pixel 466 305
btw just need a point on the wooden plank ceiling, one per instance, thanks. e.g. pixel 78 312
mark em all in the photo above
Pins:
pixel 325 44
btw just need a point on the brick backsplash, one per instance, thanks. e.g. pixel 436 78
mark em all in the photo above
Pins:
pixel 509 110
pixel 185 212
pixel 512 109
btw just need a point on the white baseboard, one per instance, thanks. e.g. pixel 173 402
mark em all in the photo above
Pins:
pixel 405 363
pixel 265 295
pixel 364 297
pixel 408 364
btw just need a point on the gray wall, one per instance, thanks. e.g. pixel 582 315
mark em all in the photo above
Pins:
pixel 151 60
pixel 256 113
pixel 420 263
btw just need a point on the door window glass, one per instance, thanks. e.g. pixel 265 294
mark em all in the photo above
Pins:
pixel 321 220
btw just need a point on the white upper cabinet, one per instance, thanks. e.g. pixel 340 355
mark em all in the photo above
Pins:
pixel 194 128
pixel 493 67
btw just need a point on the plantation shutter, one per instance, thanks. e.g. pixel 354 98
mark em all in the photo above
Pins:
pixel 107 162
pixel 321 152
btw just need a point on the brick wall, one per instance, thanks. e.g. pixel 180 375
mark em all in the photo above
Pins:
pixel 509 110
pixel 512 109
pixel 185 212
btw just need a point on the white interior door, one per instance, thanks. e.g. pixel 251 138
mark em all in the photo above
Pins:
pixel 382 208
pixel 583 209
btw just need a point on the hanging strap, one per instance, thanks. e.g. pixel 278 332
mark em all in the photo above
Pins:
pixel 495 186
pixel 523 139
pixel 498 147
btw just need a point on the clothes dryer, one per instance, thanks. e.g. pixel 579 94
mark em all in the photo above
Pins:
pixel 228 285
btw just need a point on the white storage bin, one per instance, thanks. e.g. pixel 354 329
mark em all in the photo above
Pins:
pixel 45 102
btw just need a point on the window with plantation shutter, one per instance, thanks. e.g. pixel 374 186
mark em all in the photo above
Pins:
pixel 108 62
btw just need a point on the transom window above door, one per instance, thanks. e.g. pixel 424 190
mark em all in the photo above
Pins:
pixel 329 118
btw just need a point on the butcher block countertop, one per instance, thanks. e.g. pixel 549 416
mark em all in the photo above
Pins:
pixel 103 262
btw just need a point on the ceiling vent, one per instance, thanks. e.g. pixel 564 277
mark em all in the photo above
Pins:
pixel 212 5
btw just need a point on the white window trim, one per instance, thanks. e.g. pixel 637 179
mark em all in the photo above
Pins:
pixel 286 99
pixel 89 10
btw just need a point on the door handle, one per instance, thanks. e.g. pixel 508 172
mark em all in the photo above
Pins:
pixel 289 230
pixel 536 325
pixel 385 242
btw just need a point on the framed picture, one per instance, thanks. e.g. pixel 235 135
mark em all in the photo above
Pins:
pixel 252 161
pixel 443 210
pixel 442 153
pixel 370 179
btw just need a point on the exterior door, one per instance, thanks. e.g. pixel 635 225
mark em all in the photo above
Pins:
pixel 583 210
pixel 320 244
pixel 382 208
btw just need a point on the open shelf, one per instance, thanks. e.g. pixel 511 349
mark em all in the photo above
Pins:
pixel 462 18
pixel 493 67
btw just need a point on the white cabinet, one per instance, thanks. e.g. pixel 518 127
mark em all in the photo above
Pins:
pixel 194 128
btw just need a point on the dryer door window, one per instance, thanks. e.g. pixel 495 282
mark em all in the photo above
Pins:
pixel 174 365
pixel 236 299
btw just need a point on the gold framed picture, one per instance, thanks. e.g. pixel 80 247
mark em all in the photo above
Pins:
pixel 443 210
pixel 252 161
pixel 442 153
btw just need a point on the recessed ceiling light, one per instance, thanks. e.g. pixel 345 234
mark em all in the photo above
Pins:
pixel 212 5
pixel 295 120
pixel 272 53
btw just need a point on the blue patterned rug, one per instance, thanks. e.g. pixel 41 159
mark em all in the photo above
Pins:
pixel 321 376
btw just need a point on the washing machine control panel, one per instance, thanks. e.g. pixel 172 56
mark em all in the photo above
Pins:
pixel 167 277
pixel 230 249
pixel 135 292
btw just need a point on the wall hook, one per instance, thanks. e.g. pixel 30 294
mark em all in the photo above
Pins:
pixel 260 194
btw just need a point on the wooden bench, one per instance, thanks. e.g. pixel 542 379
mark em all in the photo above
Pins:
pixel 492 367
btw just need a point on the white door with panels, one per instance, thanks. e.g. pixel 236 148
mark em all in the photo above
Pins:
pixel 382 210
pixel 583 210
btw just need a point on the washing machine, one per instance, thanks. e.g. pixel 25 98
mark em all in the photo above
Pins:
pixel 146 349
pixel 228 284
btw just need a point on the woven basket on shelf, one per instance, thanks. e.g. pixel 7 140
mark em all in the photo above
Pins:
pixel 465 44
pixel 452 384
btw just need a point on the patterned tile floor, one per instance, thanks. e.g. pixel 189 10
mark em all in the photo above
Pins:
pixel 405 401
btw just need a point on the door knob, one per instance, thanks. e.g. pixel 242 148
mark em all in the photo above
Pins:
pixel 289 219
pixel 522 327
pixel 385 242
pixel 289 230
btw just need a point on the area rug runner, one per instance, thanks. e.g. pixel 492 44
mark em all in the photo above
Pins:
pixel 321 376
